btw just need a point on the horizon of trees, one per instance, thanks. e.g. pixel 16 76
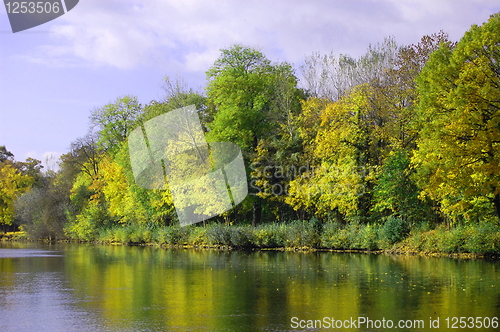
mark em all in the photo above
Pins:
pixel 407 132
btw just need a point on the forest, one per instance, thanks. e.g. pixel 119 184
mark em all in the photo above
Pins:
pixel 397 149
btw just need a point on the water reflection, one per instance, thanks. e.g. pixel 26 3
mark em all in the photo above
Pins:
pixel 115 288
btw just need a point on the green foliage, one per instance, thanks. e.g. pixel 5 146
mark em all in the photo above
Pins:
pixel 233 236
pixel 394 229
pixel 115 121
pixel 395 192
pixel 171 235
pixel 86 225
pixel 458 154
pixel 302 233
pixel 197 236
pixel 478 239
pixel 379 153
pixel 338 237
pixel 272 235
pixel 43 212
pixel 238 96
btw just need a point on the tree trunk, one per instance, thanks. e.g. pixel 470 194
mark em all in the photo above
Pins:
pixel 257 211
pixel 496 204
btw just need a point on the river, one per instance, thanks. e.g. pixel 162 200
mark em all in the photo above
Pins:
pixel 79 287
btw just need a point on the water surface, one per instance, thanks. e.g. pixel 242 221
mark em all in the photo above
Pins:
pixel 117 288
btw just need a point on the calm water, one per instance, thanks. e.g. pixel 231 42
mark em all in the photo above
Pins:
pixel 115 288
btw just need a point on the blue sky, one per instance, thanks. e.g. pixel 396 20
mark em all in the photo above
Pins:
pixel 53 75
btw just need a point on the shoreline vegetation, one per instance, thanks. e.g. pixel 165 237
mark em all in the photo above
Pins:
pixel 309 235
pixel 397 150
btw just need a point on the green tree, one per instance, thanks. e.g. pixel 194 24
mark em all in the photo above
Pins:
pixel 242 107
pixel 238 97
pixel 115 121
pixel 395 192
pixel 458 153
pixel 278 155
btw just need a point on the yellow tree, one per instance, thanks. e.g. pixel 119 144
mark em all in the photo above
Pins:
pixel 458 153
pixel 345 155
pixel 12 184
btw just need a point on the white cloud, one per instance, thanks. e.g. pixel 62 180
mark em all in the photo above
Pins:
pixel 188 34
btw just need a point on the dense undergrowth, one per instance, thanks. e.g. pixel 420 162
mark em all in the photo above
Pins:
pixel 394 235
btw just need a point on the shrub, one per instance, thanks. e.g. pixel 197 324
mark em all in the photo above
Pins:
pixel 172 235
pixel 329 233
pixel 122 234
pixel 368 238
pixel 347 237
pixel 197 235
pixel 302 233
pixel 483 239
pixel 241 236
pixel 270 235
pixel 218 234
pixel 394 230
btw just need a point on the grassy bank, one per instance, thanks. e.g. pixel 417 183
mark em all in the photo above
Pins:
pixel 394 236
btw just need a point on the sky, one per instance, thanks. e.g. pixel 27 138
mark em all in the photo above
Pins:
pixel 52 76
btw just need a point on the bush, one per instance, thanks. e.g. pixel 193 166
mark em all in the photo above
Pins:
pixel 218 234
pixel 302 233
pixel 172 235
pixel 483 239
pixel 368 238
pixel 241 236
pixel 338 237
pixel 122 235
pixel 197 236
pixel 271 235
pixel 328 236
pixel 394 230
pixel 86 225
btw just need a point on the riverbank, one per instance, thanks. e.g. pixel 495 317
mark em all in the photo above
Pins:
pixel 470 241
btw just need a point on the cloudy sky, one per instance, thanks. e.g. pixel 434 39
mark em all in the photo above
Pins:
pixel 53 75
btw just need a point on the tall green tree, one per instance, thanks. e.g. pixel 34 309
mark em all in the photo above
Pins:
pixel 458 155
pixel 247 98
pixel 238 97
pixel 114 121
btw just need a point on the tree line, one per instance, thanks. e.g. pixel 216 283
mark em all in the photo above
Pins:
pixel 402 134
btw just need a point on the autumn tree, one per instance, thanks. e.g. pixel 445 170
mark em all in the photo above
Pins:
pixel 345 154
pixel 12 184
pixel 396 193
pixel 458 153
